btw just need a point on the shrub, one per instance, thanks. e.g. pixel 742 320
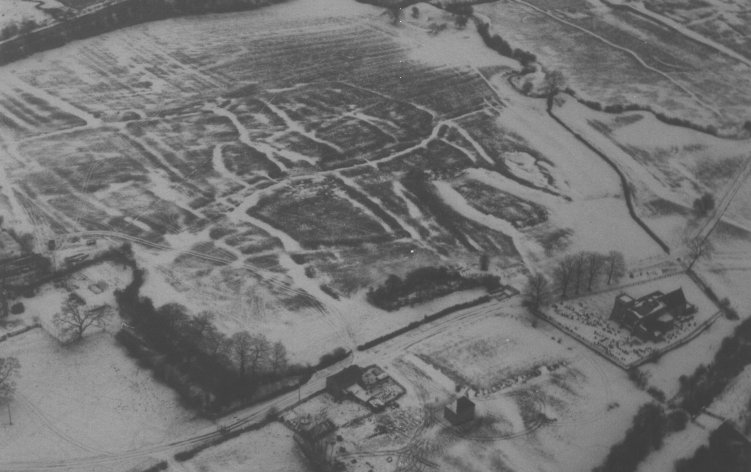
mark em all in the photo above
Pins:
pixel 17 308
pixel 332 357
pixel 638 377
pixel 656 393
pixel 677 420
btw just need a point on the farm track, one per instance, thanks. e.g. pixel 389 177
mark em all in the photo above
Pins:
pixel 255 413
pixel 633 54
pixel 741 178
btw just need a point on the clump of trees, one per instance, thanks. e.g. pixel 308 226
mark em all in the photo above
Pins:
pixel 645 435
pixel 502 46
pixel 583 272
pixel 426 283
pixel 209 369
pixel 17 28
pixel 462 12
pixel 727 451
pixel 704 204
pixel 698 390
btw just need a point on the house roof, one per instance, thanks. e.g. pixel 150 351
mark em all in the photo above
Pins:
pixel 347 376
pixel 675 299
pixel 464 402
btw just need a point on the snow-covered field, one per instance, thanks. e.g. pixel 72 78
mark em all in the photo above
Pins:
pixel 271 177
pixel 538 422
pixel 269 449
pixel 84 402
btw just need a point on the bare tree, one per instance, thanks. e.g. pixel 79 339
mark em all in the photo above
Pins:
pixel 9 368
pixel 698 247
pixel 564 275
pixel 73 320
pixel 240 345
pixel 536 293
pixel 203 323
pixel 278 357
pixel 615 266
pixel 249 351
pixel 594 267
pixel 259 353
pixel 580 261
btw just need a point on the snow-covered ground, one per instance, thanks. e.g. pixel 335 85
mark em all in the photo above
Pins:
pixel 269 449
pixel 86 400
pixel 17 11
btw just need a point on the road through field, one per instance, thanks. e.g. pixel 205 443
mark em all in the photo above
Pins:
pixel 382 354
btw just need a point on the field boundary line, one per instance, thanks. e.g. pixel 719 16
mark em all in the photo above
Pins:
pixel 624 181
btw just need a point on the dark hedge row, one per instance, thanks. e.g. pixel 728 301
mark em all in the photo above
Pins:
pixel 427 319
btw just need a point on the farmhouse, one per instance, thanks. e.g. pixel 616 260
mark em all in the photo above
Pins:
pixel 371 376
pixel 461 412
pixel 653 315
pixel 338 383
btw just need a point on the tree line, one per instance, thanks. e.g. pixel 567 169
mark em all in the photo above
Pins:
pixel 727 451
pixel 698 390
pixel 646 434
pixel 210 370
pixel 501 46
pixel 426 283
pixel 574 275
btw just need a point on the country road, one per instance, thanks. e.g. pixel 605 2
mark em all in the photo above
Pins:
pixel 381 354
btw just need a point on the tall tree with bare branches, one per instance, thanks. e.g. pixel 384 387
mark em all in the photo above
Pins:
pixel 278 357
pixel 536 293
pixel 615 266
pixel 595 263
pixel 564 275
pixel 73 320
pixel 698 247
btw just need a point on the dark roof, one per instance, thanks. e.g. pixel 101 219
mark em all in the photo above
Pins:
pixel 347 376
pixel 675 299
pixel 464 402
pixel 319 430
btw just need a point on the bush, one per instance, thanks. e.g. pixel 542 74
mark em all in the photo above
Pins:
pixel 426 283
pixel 17 308
pixel 329 291
pixel 656 393
pixel 332 357
pixel 677 420
pixel 638 377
